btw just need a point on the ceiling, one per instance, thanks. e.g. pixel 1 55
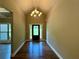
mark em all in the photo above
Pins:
pixel 3 10
pixel 4 13
pixel 44 5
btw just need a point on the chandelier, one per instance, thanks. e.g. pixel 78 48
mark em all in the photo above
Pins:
pixel 36 13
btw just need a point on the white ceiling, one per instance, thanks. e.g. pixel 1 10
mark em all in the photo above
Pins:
pixel 3 10
pixel 44 5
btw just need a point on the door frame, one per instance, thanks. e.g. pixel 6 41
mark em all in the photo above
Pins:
pixel 38 32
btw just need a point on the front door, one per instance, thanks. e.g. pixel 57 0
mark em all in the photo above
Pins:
pixel 35 32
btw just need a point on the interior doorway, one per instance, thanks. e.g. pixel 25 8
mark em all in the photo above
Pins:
pixel 6 24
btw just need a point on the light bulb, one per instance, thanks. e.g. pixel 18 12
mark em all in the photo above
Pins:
pixel 35 15
pixel 40 14
pixel 31 14
pixel 35 10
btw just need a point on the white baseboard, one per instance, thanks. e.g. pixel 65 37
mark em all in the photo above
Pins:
pixel 59 56
pixel 41 40
pixel 13 54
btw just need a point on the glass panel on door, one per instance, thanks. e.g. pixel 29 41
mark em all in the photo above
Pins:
pixel 35 30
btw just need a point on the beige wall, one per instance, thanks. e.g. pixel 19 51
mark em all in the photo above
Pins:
pixel 18 23
pixel 37 20
pixel 63 28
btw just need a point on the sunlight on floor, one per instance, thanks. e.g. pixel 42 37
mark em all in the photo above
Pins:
pixel 35 49
pixel 5 51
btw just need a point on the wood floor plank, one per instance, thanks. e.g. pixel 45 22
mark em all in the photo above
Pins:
pixel 35 50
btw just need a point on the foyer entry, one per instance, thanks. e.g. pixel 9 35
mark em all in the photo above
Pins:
pixel 35 32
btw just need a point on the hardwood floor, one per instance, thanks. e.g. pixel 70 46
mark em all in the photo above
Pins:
pixel 5 51
pixel 35 50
